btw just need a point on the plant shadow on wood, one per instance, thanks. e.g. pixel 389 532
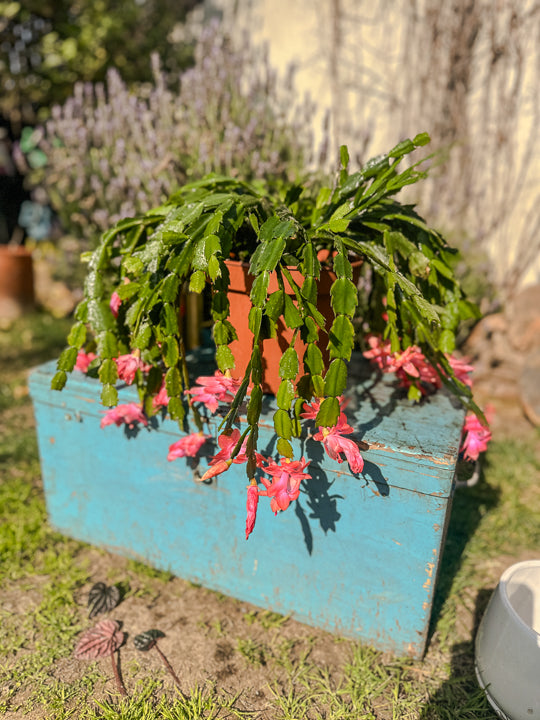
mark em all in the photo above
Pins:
pixel 322 503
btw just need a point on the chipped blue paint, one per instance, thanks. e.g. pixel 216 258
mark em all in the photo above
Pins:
pixel 356 555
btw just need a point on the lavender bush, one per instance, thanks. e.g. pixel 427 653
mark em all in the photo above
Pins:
pixel 114 152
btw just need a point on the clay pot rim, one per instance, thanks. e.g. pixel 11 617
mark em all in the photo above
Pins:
pixel 19 250
pixel 241 279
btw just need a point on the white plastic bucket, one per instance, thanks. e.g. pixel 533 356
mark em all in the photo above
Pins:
pixel 508 644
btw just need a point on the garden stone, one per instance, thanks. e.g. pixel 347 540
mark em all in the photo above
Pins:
pixel 523 317
pixel 504 348
pixel 529 386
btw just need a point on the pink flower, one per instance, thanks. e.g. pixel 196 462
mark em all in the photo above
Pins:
pixel 251 507
pixel 83 360
pixel 379 353
pixel 214 389
pixel 476 437
pixel 161 399
pixel 128 365
pixel 187 446
pixel 285 486
pixel 335 444
pixel 462 370
pixel 115 303
pixel 404 361
pixel 227 443
pixel 311 409
pixel 115 300
pixel 410 365
pixel 219 467
pixel 222 460
pixel 130 413
pixel 410 361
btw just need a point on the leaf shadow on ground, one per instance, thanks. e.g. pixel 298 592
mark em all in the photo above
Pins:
pixel 461 692
pixel 469 504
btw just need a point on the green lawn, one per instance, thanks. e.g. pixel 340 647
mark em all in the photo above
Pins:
pixel 233 660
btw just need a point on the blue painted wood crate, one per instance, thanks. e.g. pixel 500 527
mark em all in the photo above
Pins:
pixel 356 555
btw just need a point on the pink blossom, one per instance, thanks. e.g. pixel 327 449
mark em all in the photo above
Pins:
pixel 285 486
pixel 411 361
pixel 227 443
pixel 476 437
pixel 311 409
pixel 222 460
pixel 429 377
pixel 214 389
pixel 334 444
pixel 384 314
pixel 410 365
pixel 115 303
pixel 128 365
pixel 405 361
pixel 379 353
pixel 130 413
pixel 187 446
pixel 251 507
pixel 83 360
pixel 462 370
pixel 161 399
pixel 219 467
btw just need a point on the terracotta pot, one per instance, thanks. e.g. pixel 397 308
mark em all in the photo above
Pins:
pixel 273 348
pixel 16 280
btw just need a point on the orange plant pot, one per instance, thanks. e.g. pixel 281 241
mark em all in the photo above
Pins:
pixel 16 277
pixel 272 348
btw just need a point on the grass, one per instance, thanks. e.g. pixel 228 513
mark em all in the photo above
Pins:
pixel 284 672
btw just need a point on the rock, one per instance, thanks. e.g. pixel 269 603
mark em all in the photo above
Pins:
pixel 10 310
pixel 504 348
pixel 529 387
pixel 523 319
pixel 53 295
pixel 488 338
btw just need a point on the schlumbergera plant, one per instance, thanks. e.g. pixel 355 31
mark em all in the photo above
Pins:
pixel 127 326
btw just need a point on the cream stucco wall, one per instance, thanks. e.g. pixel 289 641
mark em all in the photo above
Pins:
pixel 467 72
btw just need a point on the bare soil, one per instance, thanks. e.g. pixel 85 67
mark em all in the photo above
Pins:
pixel 203 635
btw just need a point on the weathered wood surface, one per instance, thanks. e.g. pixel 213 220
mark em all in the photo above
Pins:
pixel 357 555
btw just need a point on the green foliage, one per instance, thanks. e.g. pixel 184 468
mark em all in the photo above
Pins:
pixel 48 45
pixel 280 230
pixel 253 651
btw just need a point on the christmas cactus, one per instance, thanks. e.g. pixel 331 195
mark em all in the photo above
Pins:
pixel 405 310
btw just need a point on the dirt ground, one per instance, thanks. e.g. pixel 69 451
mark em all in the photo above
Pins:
pixel 203 632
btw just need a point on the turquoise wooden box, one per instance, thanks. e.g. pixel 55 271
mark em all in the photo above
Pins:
pixel 356 555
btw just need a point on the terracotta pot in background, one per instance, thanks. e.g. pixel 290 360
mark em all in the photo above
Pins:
pixel 273 348
pixel 16 281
